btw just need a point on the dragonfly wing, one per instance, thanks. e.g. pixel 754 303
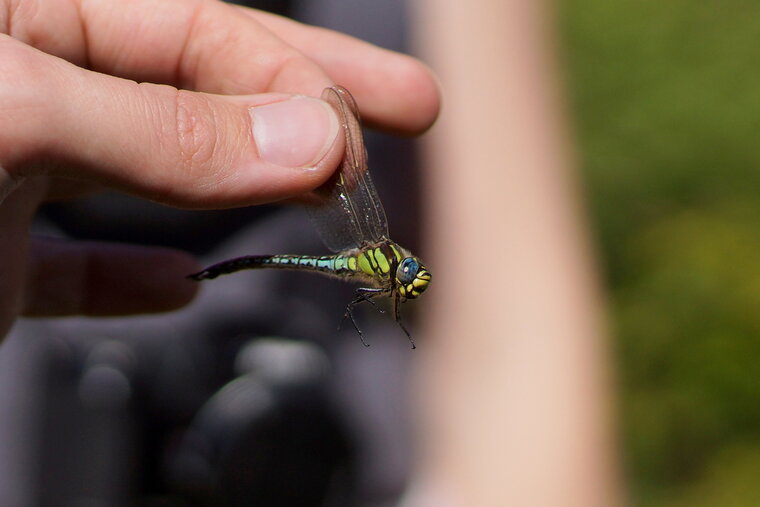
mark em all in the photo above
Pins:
pixel 346 210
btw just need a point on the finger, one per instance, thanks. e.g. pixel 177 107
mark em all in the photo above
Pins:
pixel 200 45
pixel 223 49
pixel 100 279
pixel 173 146
pixel 394 91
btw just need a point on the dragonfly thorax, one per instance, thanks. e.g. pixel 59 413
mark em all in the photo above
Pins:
pixel 412 278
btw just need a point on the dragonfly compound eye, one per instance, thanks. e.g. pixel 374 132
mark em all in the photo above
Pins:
pixel 407 270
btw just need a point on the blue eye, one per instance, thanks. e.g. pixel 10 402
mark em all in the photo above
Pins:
pixel 407 270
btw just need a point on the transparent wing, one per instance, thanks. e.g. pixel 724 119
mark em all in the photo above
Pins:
pixel 346 210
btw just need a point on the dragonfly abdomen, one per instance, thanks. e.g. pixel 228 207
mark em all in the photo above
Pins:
pixel 340 265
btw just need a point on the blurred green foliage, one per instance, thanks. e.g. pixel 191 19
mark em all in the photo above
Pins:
pixel 666 102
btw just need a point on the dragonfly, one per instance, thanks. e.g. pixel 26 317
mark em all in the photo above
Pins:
pixel 350 219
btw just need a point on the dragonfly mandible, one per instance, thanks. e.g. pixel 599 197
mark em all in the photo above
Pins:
pixel 350 219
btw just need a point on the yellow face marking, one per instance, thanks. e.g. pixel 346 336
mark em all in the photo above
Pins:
pixel 418 282
pixel 352 263
pixel 402 290
pixel 396 252
pixel 382 261
pixel 364 264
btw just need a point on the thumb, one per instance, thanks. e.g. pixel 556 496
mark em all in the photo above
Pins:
pixel 173 146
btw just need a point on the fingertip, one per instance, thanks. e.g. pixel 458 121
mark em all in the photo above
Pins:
pixel 128 280
pixel 297 143
pixel 422 89
pixel 406 102
pixel 170 287
pixel 295 133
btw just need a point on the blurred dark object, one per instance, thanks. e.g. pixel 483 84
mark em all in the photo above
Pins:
pixel 268 437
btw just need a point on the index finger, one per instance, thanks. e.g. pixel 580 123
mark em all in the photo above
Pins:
pixel 200 45
pixel 218 48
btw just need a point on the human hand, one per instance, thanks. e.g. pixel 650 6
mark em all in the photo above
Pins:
pixel 185 102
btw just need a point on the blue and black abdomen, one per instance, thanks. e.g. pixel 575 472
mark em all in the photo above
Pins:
pixel 328 264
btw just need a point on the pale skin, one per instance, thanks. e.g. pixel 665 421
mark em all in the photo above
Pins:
pixel 513 399
pixel 179 102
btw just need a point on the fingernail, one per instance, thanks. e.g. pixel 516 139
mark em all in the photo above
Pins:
pixel 297 132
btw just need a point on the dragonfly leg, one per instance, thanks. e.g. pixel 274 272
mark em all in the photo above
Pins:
pixel 362 295
pixel 367 294
pixel 397 315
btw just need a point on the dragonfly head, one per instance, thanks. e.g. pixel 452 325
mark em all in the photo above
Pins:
pixel 412 278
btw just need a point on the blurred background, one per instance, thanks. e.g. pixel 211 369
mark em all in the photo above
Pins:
pixel 665 103
pixel 218 403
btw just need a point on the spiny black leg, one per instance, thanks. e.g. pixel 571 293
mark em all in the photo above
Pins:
pixel 397 315
pixel 350 315
pixel 362 295
pixel 372 293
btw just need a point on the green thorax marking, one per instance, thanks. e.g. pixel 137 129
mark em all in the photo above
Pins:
pixel 379 261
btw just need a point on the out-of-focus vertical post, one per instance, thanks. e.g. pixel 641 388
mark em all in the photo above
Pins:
pixel 513 405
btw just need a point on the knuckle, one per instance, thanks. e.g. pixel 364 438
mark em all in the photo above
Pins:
pixel 196 130
pixel 191 145
pixel 19 68
pixel 289 68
